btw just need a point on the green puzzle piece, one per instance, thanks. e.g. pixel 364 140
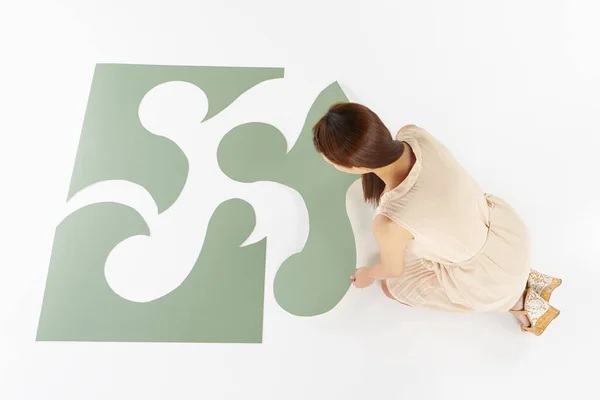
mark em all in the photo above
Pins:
pixel 313 281
pixel 222 298
pixel 115 146
pixel 220 301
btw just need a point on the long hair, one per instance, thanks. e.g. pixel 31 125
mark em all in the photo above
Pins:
pixel 351 135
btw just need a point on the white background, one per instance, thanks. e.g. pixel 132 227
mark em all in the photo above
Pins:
pixel 511 87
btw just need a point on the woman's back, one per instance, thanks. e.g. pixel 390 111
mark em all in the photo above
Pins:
pixel 439 203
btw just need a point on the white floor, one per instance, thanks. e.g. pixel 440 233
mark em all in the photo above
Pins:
pixel 511 87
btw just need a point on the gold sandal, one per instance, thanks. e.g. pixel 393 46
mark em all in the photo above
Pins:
pixel 539 312
pixel 542 284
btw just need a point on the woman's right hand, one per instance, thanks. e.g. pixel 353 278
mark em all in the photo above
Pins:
pixel 362 278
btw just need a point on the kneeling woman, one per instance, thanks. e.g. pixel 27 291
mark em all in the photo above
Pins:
pixel 444 244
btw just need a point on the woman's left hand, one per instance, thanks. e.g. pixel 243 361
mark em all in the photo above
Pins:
pixel 361 278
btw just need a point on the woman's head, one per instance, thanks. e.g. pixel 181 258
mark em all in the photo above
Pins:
pixel 354 139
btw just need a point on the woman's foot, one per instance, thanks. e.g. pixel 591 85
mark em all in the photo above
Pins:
pixel 543 284
pixel 534 313
pixel 520 305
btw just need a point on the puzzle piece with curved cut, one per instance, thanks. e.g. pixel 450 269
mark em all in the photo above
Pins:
pixel 313 281
pixel 220 301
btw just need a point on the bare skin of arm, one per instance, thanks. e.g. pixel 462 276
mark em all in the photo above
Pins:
pixel 392 240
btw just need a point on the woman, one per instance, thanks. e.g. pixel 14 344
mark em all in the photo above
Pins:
pixel 444 244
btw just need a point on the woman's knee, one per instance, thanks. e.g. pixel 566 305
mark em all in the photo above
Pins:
pixel 386 291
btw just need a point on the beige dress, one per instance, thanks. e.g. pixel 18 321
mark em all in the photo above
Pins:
pixel 471 250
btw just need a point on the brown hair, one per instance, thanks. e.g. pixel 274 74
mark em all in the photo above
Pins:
pixel 351 135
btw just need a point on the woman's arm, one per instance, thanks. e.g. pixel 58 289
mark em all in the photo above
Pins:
pixel 392 240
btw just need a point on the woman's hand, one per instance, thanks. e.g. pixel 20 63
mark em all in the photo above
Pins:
pixel 362 278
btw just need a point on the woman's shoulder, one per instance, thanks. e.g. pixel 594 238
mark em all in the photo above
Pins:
pixel 386 227
pixel 411 130
pixel 414 133
pixel 405 129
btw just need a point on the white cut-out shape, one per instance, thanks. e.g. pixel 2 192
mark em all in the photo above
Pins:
pixel 361 216
pixel 174 110
pixel 143 269
pixel 114 191
pixel 129 194
pixel 281 216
